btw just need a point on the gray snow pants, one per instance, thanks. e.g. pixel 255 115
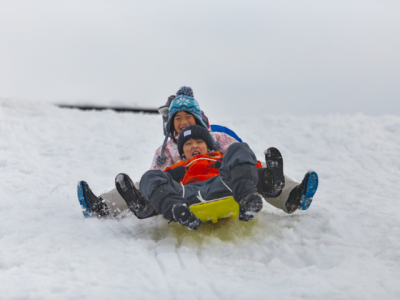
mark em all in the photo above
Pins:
pixel 238 177
pixel 116 204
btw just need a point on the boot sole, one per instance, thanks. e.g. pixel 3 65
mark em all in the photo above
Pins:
pixel 310 186
pixel 126 189
pixel 87 209
pixel 252 206
pixel 178 212
pixel 274 160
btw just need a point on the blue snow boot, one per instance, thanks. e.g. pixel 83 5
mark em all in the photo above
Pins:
pixel 302 195
pixel 90 203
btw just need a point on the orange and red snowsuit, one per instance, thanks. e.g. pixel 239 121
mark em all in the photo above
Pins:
pixel 201 167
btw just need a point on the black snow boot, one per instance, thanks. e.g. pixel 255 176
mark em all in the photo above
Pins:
pixel 244 179
pixel 302 195
pixel 183 215
pixel 133 197
pixel 271 179
pixel 249 206
pixel 90 203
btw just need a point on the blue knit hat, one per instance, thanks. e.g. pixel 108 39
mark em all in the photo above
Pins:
pixel 184 101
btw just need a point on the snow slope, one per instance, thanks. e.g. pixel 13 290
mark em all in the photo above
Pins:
pixel 346 246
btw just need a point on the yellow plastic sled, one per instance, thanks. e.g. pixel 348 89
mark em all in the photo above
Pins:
pixel 216 209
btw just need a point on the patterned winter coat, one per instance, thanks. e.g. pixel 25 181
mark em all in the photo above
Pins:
pixel 172 154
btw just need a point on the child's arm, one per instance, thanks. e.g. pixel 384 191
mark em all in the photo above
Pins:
pixel 169 159
pixel 224 139
pixel 177 173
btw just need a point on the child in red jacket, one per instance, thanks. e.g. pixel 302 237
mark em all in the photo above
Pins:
pixel 205 173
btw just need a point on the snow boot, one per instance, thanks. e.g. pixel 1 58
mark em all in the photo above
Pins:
pixel 302 195
pixel 183 215
pixel 90 203
pixel 272 178
pixel 249 206
pixel 133 197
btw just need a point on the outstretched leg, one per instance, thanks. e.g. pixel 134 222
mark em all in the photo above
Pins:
pixel 296 195
pixel 133 197
pixel 271 179
pixel 302 195
pixel 239 172
pixel 90 203
pixel 165 197
pixel 116 204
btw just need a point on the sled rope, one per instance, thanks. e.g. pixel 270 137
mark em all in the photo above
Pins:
pixel 225 184
pixel 183 190
pixel 203 158
pixel 201 198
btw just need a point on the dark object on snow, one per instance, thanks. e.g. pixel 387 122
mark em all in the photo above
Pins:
pixel 133 197
pixel 90 203
pixel 117 109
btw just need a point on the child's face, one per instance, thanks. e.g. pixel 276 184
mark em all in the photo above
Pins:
pixel 194 147
pixel 182 120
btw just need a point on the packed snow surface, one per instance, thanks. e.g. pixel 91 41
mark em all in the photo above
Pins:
pixel 345 246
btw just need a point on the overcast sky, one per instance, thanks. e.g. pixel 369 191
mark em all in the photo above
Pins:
pixel 240 57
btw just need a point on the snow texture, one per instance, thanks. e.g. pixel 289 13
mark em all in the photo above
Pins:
pixel 346 246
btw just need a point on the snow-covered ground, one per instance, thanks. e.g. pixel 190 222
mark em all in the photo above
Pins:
pixel 346 246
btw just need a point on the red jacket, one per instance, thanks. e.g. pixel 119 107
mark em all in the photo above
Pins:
pixel 201 167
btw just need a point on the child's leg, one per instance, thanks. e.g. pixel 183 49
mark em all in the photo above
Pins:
pixel 161 192
pixel 238 170
pixel 296 196
pixel 91 204
pixel 165 196
pixel 116 204
pixel 279 202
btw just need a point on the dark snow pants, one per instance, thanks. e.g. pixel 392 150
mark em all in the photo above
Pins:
pixel 238 177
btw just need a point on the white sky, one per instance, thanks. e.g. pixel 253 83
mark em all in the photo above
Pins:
pixel 240 57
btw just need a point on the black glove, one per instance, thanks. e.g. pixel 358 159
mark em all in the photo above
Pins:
pixel 217 164
pixel 177 173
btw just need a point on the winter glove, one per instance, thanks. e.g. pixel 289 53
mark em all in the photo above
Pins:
pixel 163 110
pixel 218 164
pixel 177 173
